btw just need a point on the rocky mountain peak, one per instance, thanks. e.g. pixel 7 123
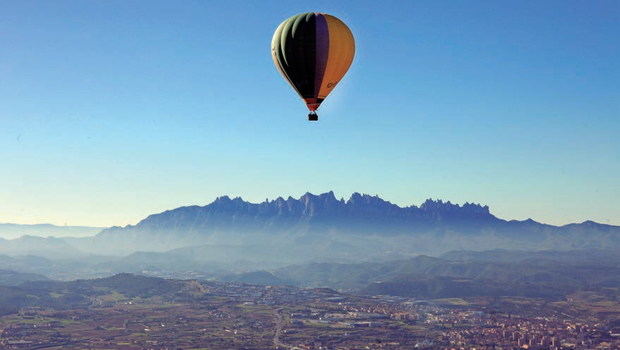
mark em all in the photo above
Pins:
pixel 439 206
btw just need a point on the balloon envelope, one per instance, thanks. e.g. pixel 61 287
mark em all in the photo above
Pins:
pixel 313 51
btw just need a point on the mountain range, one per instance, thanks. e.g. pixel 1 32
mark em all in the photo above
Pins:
pixel 363 244
pixel 462 273
pixel 317 228
pixel 233 235
pixel 324 227
pixel 551 275
pixel 11 231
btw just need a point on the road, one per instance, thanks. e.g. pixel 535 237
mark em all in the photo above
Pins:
pixel 276 337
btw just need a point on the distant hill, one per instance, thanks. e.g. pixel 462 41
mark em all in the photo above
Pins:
pixel 49 247
pixel 83 293
pixel 255 277
pixel 549 275
pixel 569 257
pixel 442 287
pixel 10 231
pixel 13 278
pixel 322 227
pixel 543 274
pixel 123 283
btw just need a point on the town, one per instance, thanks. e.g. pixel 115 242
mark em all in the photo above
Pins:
pixel 214 315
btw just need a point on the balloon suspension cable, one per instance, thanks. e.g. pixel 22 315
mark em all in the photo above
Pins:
pixel 312 116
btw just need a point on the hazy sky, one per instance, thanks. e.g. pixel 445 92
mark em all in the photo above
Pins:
pixel 113 110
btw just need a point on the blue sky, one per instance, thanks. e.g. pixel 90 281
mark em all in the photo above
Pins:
pixel 113 110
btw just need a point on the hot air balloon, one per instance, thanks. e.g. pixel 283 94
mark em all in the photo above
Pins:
pixel 313 51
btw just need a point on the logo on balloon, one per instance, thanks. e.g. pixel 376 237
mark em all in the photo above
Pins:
pixel 331 85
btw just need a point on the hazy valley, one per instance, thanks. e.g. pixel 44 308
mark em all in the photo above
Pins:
pixel 362 244
pixel 314 271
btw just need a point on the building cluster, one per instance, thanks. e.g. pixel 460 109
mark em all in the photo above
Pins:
pixel 466 329
pixel 235 315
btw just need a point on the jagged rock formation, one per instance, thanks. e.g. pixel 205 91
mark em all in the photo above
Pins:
pixel 363 224
pixel 360 214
